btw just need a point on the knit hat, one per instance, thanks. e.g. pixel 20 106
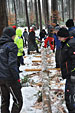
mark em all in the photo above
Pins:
pixel 63 32
pixel 9 31
pixel 69 23
pixel 14 27
pixel 57 28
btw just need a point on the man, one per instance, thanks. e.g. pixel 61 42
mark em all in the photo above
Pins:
pixel 71 27
pixel 68 67
pixel 58 46
pixel 9 75
pixel 25 35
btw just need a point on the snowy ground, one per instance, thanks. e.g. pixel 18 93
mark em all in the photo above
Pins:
pixel 30 89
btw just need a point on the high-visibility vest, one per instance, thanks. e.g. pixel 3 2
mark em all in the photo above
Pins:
pixel 19 41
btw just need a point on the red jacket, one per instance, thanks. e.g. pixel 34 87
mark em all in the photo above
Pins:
pixel 51 42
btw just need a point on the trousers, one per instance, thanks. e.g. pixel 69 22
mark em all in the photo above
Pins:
pixel 15 89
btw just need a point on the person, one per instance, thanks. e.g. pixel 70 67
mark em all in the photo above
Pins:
pixel 32 46
pixel 49 41
pixel 58 46
pixel 25 35
pixel 42 34
pixel 19 42
pixel 9 75
pixel 68 67
pixel 71 27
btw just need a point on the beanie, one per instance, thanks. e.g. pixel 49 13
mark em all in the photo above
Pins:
pixel 9 31
pixel 69 23
pixel 63 32
pixel 14 27
pixel 57 28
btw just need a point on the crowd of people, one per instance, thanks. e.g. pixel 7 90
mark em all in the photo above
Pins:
pixel 61 41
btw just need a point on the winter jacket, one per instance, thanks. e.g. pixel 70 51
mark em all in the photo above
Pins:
pixel 68 58
pixel 19 42
pixel 8 59
pixel 42 34
pixel 57 42
pixel 25 35
pixel 32 42
pixel 51 42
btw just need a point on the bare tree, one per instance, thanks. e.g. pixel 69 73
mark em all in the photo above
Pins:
pixel 73 4
pixel 3 15
pixel 15 12
pixel 69 8
pixel 62 10
pixel 54 10
pixel 36 14
pixel 26 10
pixel 45 11
pixel 40 16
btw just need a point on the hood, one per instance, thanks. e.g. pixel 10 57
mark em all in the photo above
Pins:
pixel 19 32
pixel 5 39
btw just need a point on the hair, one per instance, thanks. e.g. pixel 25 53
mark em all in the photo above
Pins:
pixel 69 23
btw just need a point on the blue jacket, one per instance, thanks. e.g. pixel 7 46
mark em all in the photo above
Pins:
pixel 72 31
pixel 57 42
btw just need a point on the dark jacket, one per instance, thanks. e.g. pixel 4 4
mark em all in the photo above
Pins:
pixel 72 31
pixel 57 42
pixel 42 34
pixel 31 41
pixel 68 58
pixel 25 35
pixel 8 59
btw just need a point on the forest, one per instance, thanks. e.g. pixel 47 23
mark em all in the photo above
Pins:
pixel 35 12
pixel 42 84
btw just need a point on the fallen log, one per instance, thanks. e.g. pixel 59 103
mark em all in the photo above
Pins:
pixel 41 60
pixel 41 69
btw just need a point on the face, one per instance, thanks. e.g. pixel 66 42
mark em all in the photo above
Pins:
pixel 13 37
pixel 61 38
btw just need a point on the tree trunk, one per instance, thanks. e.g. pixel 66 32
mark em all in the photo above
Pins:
pixel 27 18
pixel 69 8
pixel 44 10
pixel 46 101
pixel 36 14
pixel 73 9
pixel 63 10
pixel 3 15
pixel 47 13
pixel 54 10
pixel 40 16
pixel 15 12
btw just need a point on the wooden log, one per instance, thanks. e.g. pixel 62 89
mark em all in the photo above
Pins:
pixel 37 56
pixel 36 61
pixel 41 61
pixel 46 101
pixel 33 69
pixel 41 69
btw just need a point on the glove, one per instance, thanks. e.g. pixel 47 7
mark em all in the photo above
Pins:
pixel 23 53
pixel 19 80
